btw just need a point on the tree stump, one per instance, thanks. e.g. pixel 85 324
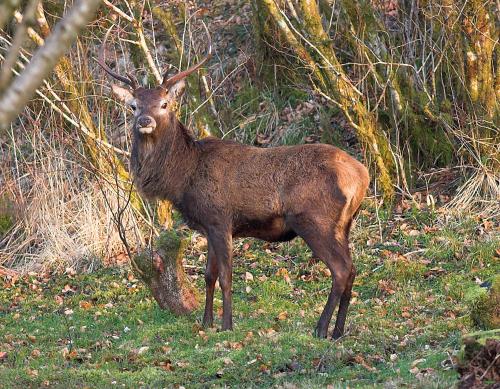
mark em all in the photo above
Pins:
pixel 161 269
pixel 479 361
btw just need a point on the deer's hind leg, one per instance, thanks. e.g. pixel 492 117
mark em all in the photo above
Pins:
pixel 211 275
pixel 221 242
pixel 331 246
pixel 345 300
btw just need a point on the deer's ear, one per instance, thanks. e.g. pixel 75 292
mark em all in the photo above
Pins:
pixel 122 94
pixel 176 90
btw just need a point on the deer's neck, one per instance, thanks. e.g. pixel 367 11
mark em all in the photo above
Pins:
pixel 163 162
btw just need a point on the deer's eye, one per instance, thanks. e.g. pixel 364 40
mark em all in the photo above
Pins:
pixel 164 106
pixel 133 106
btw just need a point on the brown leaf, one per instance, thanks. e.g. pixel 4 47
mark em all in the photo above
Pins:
pixel 360 360
pixel 236 345
pixel 3 355
pixel 203 335
pixel 487 225
pixel 282 272
pixel 67 289
pixel 248 337
pixel 166 365
pixel 417 361
pixel 264 368
pixel 32 372
pixel 386 287
pixel 282 316
pixel 85 305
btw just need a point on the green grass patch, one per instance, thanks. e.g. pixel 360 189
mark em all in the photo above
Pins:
pixel 411 304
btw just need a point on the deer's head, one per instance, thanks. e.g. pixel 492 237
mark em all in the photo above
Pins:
pixel 152 106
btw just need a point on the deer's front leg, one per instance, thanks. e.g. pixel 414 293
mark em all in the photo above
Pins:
pixel 222 244
pixel 211 274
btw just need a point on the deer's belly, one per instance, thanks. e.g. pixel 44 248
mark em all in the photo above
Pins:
pixel 272 230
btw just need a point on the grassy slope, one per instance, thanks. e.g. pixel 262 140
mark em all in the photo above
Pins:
pixel 405 309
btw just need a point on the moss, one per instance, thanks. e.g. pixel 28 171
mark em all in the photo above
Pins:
pixel 171 243
pixel 332 136
pixel 162 271
pixel 427 139
pixel 247 98
pixel 6 215
pixel 171 247
pixel 485 304
pixel 293 96
pixel 455 286
pixel 5 224
pixel 405 271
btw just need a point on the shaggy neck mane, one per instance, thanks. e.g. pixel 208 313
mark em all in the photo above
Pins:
pixel 164 161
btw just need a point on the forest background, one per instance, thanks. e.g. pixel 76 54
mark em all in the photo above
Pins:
pixel 411 88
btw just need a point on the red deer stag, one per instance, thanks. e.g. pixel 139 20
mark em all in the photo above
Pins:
pixel 225 189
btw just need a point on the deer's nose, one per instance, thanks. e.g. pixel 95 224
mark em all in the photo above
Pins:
pixel 145 121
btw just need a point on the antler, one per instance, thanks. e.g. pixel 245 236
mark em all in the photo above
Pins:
pixel 130 81
pixel 168 82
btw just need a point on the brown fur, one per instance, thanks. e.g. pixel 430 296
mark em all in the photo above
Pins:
pixel 226 189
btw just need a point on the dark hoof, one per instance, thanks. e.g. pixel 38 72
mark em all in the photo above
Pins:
pixel 320 333
pixel 208 322
pixel 337 334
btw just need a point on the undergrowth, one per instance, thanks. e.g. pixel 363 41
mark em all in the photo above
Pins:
pixel 405 323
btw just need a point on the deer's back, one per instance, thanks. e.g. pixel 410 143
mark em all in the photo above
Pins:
pixel 258 188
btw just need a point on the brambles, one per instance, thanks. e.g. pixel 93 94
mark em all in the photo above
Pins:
pixel 479 365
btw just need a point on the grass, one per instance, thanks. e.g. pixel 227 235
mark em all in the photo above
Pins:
pixel 406 319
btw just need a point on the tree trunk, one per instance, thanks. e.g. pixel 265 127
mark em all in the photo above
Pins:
pixel 313 46
pixel 161 269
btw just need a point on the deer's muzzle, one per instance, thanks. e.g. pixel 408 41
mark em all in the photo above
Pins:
pixel 146 124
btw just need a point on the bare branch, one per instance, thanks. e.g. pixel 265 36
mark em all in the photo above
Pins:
pixel 44 60
pixel 10 60
pixel 6 9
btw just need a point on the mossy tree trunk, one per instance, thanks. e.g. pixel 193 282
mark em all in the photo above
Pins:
pixel 313 47
pixel 419 84
pixel 161 269
pixel 481 37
